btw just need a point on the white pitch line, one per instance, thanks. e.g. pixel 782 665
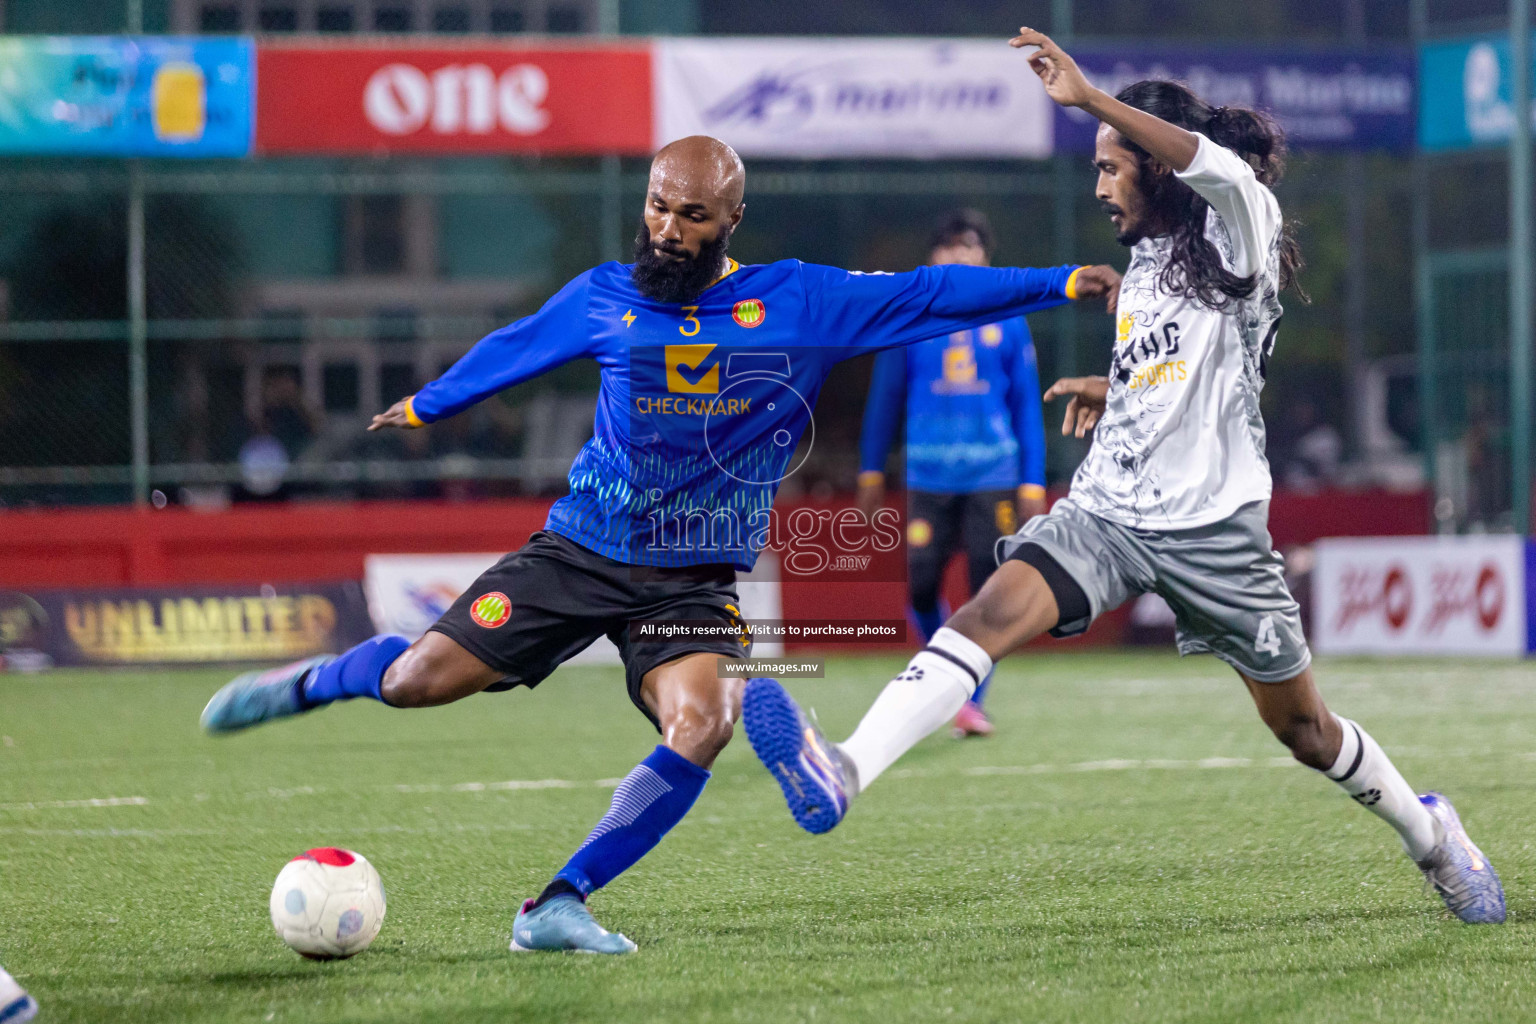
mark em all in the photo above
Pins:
pixel 1123 764
pixel 507 785
pixel 483 787
pixel 176 833
pixel 57 805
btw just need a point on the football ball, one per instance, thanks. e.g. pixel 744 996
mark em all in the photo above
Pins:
pixel 328 903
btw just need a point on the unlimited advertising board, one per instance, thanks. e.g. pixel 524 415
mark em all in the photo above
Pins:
pixel 179 625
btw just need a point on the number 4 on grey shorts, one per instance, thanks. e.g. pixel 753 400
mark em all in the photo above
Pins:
pixel 1225 584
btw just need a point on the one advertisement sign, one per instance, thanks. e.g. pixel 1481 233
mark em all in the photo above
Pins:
pixel 125 96
pixel 180 625
pixel 1420 595
pixel 407 593
pixel 852 97
pixel 1465 97
pixel 1324 99
pixel 367 99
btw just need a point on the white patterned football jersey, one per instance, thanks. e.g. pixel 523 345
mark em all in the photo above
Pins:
pixel 1181 442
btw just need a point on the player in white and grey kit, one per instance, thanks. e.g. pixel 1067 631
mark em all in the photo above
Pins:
pixel 1173 497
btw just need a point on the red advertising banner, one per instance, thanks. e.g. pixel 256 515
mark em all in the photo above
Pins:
pixel 370 99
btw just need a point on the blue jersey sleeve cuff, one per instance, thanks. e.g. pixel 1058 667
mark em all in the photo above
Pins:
pixel 1070 288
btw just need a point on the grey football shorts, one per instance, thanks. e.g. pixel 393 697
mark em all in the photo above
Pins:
pixel 1224 582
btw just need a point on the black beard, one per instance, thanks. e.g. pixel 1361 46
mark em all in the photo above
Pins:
pixel 1128 235
pixel 680 279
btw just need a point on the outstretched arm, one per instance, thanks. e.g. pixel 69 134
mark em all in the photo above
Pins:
pixel 556 334
pixel 1067 85
pixel 1219 175
pixel 856 312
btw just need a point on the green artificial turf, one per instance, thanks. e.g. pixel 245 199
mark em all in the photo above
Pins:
pixel 1130 846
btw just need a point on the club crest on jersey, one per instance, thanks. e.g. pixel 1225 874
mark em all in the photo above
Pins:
pixel 749 312
pixel 491 610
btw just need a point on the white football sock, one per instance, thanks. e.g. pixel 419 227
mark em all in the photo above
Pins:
pixel 936 682
pixel 1365 773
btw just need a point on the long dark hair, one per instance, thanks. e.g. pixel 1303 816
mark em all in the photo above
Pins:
pixel 1195 270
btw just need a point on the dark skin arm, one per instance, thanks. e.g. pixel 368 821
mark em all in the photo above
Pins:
pixel 1085 402
pixel 1099 282
pixel 1065 83
pixel 394 416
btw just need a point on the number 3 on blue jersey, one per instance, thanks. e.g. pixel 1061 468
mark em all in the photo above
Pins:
pixel 691 318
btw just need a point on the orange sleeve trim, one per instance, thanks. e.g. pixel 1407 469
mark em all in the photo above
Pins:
pixel 1071 288
pixel 410 413
pixel 870 477
pixel 1032 490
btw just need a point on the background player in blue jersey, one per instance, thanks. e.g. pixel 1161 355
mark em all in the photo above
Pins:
pixel 709 374
pixel 975 444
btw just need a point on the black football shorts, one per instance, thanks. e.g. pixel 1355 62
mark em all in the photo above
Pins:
pixel 550 599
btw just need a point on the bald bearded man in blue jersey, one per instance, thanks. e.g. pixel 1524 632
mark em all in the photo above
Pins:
pixel 709 372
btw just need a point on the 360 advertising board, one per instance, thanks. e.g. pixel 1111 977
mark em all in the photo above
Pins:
pixel 1420 595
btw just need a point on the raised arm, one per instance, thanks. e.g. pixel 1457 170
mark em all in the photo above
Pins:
pixel 1066 84
pixel 862 311
pixel 1220 176
pixel 556 334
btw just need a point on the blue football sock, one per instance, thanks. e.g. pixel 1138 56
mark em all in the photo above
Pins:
pixel 981 690
pixel 357 673
pixel 928 622
pixel 649 801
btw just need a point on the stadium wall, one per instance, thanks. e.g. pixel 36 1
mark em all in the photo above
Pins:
pixel 327 542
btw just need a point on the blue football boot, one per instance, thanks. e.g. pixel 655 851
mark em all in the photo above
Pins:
pixel 15 1005
pixel 563 924
pixel 1458 870
pixel 817 784
pixel 257 697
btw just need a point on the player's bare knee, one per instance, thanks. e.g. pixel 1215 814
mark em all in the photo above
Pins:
pixel 698 733
pixel 996 620
pixel 1304 736
pixel 413 681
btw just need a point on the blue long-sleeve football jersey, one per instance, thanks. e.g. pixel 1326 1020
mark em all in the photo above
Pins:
pixel 702 406
pixel 973 411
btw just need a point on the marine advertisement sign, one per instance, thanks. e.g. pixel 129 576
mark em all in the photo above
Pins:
pixel 852 97
pixel 1324 99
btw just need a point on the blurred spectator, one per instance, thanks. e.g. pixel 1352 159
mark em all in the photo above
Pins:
pixel 284 415
pixel 1486 460
pixel 1306 450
